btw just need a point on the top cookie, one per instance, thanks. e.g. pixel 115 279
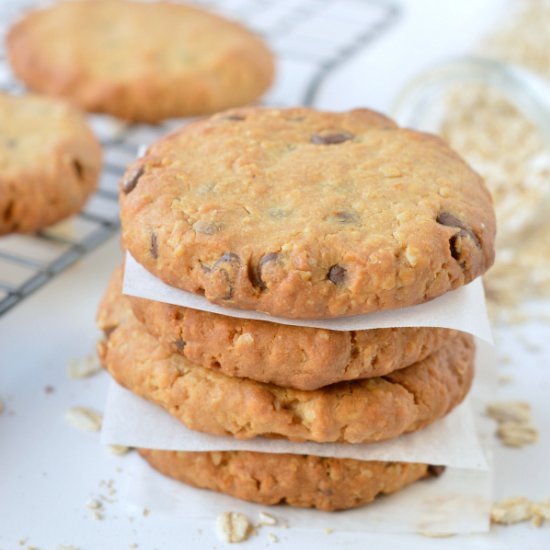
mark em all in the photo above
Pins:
pixel 139 61
pixel 306 214
pixel 49 162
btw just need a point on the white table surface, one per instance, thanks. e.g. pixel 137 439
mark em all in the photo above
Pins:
pixel 49 470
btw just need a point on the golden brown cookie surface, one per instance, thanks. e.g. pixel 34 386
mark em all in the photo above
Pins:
pixel 297 357
pixel 139 61
pixel 49 162
pixel 355 412
pixel 298 480
pixel 305 214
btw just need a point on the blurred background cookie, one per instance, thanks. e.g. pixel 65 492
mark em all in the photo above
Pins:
pixel 139 61
pixel 49 162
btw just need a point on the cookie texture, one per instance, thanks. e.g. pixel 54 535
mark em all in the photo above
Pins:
pixel 49 162
pixel 209 401
pixel 294 357
pixel 139 61
pixel 307 214
pixel 303 481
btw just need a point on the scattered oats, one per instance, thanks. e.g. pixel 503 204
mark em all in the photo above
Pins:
pixel 119 449
pixel 32 548
pixel 435 535
pixel 133 545
pixel 65 547
pixel 505 359
pixel 94 505
pixel 511 510
pixel 510 411
pixel 267 519
pixel 504 379
pixel 84 419
pixel 1 406
pixel 514 422
pixel 98 516
pixel 541 512
pixel 146 512
pixel 273 537
pixel 233 527
pixel 328 530
pixel 84 367
pixel 513 434
pixel 22 542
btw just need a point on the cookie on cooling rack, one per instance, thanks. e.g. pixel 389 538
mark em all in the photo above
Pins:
pixel 307 214
pixel 303 481
pixel 206 400
pixel 139 61
pixel 49 162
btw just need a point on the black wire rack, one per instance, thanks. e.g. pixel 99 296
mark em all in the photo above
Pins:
pixel 310 39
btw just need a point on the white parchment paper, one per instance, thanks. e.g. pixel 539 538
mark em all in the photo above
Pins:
pixel 462 309
pixel 132 421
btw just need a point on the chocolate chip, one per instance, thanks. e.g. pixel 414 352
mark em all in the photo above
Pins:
pixel 255 275
pixel 436 471
pixel 331 139
pixel 448 220
pixel 226 269
pixel 180 344
pixel 337 274
pixel 8 211
pixel 345 216
pixel 78 168
pixel 227 257
pixel 107 331
pixel 153 249
pixel 236 118
pixel 131 181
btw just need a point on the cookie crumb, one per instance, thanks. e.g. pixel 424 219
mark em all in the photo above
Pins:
pixel 329 530
pixel 84 418
pixel 1 406
pixel 84 367
pixel 272 537
pixel 511 510
pixel 65 547
pixel 146 512
pixel 435 534
pixel 267 519
pixel 233 527
pixel 119 449
pixel 133 545
pixel 504 379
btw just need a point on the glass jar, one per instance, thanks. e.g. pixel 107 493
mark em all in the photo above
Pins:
pixel 490 96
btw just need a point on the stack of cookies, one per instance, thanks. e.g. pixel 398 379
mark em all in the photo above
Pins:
pixel 298 214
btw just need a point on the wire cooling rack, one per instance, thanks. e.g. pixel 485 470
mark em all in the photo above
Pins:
pixel 310 38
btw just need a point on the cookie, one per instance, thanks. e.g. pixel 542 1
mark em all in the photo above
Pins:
pixel 49 162
pixel 139 61
pixel 294 357
pixel 303 481
pixel 306 214
pixel 355 412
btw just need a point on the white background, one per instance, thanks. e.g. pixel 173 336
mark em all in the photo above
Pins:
pixel 49 471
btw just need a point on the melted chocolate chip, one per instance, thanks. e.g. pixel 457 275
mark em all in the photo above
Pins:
pixel 336 274
pixel 131 181
pixel 345 216
pixel 180 344
pixel 227 268
pixel 331 139
pixel 436 471
pixel 78 168
pixel 8 211
pixel 448 220
pixel 255 275
pixel 154 249
pixel 236 118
